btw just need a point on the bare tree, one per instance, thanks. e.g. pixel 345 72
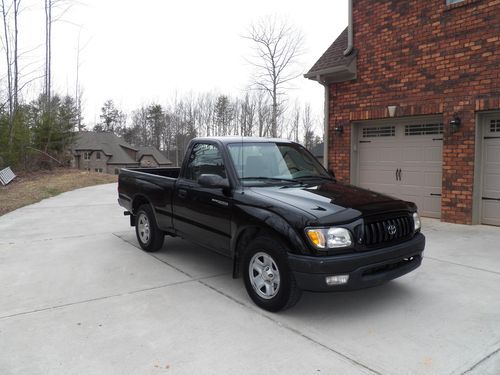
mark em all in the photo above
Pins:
pixel 247 115
pixel 205 111
pixel 48 49
pixel 78 87
pixel 308 127
pixel 277 45
pixel 61 8
pixel 12 61
pixel 295 121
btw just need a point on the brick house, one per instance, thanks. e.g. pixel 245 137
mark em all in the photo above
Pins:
pixel 106 152
pixel 412 104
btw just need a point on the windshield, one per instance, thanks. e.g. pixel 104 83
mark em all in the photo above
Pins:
pixel 269 161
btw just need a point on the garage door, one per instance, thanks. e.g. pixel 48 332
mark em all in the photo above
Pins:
pixel 403 160
pixel 490 202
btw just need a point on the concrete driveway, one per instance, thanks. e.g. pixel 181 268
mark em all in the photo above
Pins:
pixel 77 296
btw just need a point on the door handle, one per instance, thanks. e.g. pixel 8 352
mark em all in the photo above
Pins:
pixel 182 193
pixel 398 174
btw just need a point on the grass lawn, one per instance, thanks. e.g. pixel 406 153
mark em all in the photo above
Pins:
pixel 32 187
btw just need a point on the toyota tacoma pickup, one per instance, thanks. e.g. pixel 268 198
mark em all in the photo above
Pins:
pixel 286 222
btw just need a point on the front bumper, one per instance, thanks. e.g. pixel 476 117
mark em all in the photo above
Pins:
pixel 365 269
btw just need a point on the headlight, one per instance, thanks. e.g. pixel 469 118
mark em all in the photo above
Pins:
pixel 416 221
pixel 329 238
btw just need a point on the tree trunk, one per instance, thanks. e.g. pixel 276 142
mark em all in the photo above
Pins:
pixel 48 52
pixel 9 73
pixel 274 127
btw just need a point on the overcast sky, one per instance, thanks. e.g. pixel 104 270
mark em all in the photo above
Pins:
pixel 137 52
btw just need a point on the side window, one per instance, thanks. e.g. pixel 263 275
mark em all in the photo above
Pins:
pixel 204 159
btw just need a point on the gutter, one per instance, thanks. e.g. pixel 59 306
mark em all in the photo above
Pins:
pixel 316 74
pixel 350 33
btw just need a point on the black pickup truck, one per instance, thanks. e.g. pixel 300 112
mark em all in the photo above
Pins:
pixel 285 221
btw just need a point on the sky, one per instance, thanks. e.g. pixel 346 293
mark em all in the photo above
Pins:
pixel 139 52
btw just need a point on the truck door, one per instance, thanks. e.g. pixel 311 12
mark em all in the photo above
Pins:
pixel 202 214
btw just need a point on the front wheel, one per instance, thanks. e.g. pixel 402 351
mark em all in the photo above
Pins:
pixel 149 236
pixel 268 279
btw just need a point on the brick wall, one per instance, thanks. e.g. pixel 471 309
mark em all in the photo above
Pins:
pixel 427 58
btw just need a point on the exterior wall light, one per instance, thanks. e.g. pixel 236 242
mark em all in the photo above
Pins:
pixel 339 129
pixel 455 123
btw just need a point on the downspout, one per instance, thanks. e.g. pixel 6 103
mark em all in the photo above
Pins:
pixel 326 120
pixel 350 33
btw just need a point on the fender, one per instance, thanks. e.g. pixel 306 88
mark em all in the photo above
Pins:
pixel 254 219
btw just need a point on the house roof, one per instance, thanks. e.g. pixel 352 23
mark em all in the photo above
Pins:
pixel 109 143
pixel 333 64
pixel 152 151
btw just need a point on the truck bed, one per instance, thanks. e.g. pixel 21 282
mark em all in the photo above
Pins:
pixel 154 184
pixel 172 172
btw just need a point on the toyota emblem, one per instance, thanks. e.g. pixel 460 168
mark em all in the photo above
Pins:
pixel 391 229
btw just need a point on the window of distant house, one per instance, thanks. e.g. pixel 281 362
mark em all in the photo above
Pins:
pixel 98 155
pixel 449 2
pixel 117 171
pixel 98 170
pixel 86 155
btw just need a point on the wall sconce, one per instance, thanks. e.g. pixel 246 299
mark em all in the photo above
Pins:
pixel 339 129
pixel 455 123
pixel 392 110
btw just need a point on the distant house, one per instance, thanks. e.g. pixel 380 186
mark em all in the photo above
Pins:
pixel 107 153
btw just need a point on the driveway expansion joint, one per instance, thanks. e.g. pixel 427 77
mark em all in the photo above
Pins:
pixel 493 353
pixel 292 330
pixel 191 280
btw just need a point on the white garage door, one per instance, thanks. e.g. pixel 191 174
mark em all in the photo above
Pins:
pixel 404 161
pixel 490 202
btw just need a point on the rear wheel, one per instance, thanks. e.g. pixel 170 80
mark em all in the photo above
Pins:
pixel 149 236
pixel 268 278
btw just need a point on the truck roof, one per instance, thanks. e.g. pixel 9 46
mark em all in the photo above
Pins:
pixel 239 139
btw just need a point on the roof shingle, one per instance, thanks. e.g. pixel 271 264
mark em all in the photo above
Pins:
pixel 152 151
pixel 109 143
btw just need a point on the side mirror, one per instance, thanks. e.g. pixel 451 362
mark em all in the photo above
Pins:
pixel 213 181
pixel 332 173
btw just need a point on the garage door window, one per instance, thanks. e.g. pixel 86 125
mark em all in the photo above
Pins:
pixel 494 126
pixel 424 129
pixel 382 131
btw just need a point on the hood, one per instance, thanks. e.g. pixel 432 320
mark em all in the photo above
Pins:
pixel 334 202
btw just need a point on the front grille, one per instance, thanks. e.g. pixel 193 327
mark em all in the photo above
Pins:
pixel 388 230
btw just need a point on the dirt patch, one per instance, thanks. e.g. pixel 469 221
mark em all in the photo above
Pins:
pixel 32 187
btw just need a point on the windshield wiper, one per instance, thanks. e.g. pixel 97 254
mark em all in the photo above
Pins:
pixel 312 176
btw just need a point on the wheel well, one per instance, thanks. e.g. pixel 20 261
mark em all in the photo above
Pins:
pixel 138 202
pixel 247 235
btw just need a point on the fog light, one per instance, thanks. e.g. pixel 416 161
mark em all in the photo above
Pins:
pixel 337 279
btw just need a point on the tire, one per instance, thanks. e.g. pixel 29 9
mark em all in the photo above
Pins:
pixel 149 236
pixel 268 279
